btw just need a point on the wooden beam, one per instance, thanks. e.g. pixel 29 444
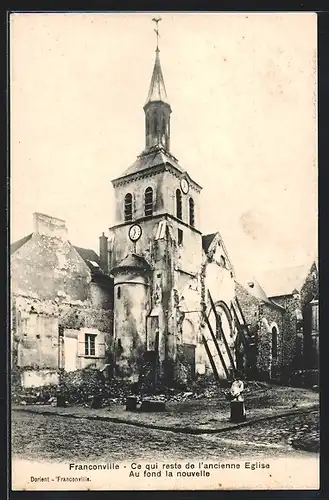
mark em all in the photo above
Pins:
pixel 228 350
pixel 217 347
pixel 211 359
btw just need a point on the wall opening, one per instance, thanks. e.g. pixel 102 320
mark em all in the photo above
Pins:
pixel 178 204
pixel 90 344
pixel 148 201
pixel 274 342
pixel 180 236
pixel 191 212
pixel 128 207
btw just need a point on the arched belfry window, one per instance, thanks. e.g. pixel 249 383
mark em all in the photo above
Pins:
pixel 178 204
pixel 148 201
pixel 163 125
pixel 155 123
pixel 128 207
pixel 191 212
pixel 147 124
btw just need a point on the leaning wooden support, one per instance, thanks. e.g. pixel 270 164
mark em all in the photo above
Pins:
pixel 211 359
pixel 228 350
pixel 221 357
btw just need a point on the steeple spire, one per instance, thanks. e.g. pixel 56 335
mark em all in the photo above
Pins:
pixel 157 108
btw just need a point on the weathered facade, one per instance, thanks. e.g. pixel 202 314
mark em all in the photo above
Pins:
pixel 161 294
pixel 284 312
pixel 61 306
pixel 163 267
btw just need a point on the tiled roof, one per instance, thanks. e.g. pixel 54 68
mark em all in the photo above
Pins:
pixel 151 158
pixel 254 288
pixel 132 261
pixel 19 243
pixel 88 254
pixel 284 281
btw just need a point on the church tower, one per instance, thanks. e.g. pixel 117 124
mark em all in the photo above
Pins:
pixel 155 249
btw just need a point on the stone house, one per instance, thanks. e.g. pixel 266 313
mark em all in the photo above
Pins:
pixel 297 290
pixel 265 322
pixel 284 313
pixel 61 305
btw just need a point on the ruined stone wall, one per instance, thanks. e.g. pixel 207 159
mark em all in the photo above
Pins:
pixel 47 267
pixel 52 293
pixel 36 343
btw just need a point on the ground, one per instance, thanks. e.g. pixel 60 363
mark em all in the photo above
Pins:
pixel 280 419
pixel 54 438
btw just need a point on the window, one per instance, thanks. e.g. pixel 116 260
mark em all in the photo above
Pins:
pixel 191 211
pixel 90 344
pixel 163 125
pixel 178 204
pixel 222 261
pixel 274 342
pixel 155 123
pixel 180 237
pixel 119 292
pixel 128 207
pixel 315 318
pixel 148 201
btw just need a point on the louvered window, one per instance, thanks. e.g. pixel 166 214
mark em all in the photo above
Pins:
pixel 148 201
pixel 128 207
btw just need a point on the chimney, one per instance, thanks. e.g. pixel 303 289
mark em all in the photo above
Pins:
pixel 50 226
pixel 103 252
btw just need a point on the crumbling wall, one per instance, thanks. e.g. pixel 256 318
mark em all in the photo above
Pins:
pixel 47 267
pixel 35 336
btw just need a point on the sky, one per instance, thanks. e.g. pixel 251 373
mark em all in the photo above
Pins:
pixel 242 89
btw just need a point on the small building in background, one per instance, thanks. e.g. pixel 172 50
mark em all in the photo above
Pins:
pixel 283 308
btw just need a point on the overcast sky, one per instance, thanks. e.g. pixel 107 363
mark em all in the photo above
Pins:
pixel 242 88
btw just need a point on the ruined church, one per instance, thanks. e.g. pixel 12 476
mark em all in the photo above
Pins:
pixel 166 272
pixel 162 299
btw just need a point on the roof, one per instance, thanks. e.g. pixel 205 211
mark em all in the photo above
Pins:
pixel 278 282
pixel 19 243
pixel 151 158
pixel 92 260
pixel 132 261
pixel 207 240
pixel 157 91
pixel 88 255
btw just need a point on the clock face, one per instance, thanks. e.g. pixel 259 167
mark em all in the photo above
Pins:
pixel 135 232
pixel 184 185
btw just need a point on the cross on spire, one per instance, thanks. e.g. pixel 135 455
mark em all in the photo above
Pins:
pixel 156 20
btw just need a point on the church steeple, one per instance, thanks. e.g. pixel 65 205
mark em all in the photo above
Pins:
pixel 157 108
